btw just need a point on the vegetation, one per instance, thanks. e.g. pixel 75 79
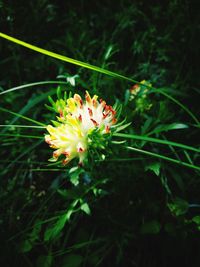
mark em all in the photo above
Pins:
pixel 133 199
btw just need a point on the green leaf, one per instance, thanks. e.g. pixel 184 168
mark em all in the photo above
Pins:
pixel 74 174
pixel 85 207
pixel 152 227
pixel 54 231
pixel 59 92
pixel 178 207
pixel 55 123
pixel 196 220
pixel 49 108
pixel 168 127
pixel 155 167
pixel 124 126
pixel 51 101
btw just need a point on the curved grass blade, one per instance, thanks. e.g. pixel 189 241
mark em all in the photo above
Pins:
pixel 22 135
pixel 31 85
pixel 179 104
pixel 22 126
pixel 32 102
pixel 92 67
pixel 182 163
pixel 64 58
pixel 28 150
pixel 155 140
pixel 21 116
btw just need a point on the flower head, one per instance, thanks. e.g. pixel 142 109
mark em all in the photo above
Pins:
pixel 138 92
pixel 78 120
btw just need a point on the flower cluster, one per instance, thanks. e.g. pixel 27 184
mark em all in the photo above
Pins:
pixel 138 92
pixel 71 137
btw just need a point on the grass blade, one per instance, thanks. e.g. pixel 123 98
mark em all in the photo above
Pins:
pixel 64 58
pixel 21 116
pixel 31 85
pixel 22 135
pixel 145 152
pixel 156 140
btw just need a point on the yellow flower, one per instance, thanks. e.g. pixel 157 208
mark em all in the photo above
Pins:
pixel 77 121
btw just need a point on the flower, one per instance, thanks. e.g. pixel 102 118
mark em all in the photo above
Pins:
pixel 78 121
pixel 138 92
pixel 137 88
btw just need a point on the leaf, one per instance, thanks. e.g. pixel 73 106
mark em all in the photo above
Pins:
pixel 49 108
pixel 168 127
pixel 59 92
pixel 152 227
pixel 196 219
pixel 51 101
pixel 127 97
pixel 75 174
pixel 178 207
pixel 54 231
pixel 147 125
pixel 124 126
pixel 155 167
pixel 85 207
pixel 55 123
